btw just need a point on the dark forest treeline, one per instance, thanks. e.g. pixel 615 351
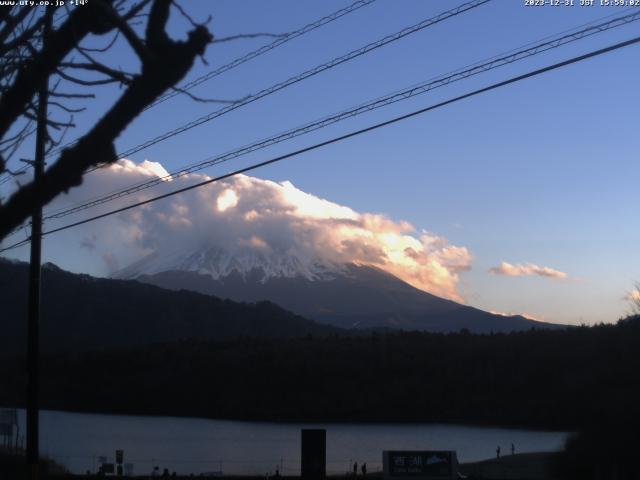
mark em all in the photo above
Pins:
pixel 538 379
pixel 81 313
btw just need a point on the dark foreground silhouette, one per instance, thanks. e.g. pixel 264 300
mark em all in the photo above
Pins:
pixel 82 313
pixel 537 379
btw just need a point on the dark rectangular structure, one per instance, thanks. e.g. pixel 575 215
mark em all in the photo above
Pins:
pixel 314 454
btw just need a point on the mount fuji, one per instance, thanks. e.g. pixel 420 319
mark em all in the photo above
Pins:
pixel 343 295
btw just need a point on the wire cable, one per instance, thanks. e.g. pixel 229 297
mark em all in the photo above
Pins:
pixel 355 133
pixel 308 73
pixel 249 56
pixel 264 49
pixel 424 87
pixel 261 50
pixel 302 76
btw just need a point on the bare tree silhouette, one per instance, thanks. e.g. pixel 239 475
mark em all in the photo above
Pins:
pixel 634 299
pixel 32 54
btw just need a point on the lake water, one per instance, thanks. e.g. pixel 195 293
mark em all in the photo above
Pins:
pixel 194 445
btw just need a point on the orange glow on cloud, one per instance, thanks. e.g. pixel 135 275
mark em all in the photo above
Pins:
pixel 248 212
pixel 528 269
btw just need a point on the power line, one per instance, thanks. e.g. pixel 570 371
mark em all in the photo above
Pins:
pixel 291 81
pixel 305 75
pixel 8 176
pixel 264 49
pixel 424 87
pixel 250 56
pixel 238 61
pixel 394 120
pixel 511 56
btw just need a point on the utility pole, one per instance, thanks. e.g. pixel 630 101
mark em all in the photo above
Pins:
pixel 33 320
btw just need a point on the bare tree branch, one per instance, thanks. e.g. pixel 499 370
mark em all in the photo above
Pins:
pixel 135 10
pixel 80 23
pixel 24 37
pixel 55 142
pixel 85 83
pixel 188 17
pixel 71 95
pixel 18 135
pixel 121 24
pixel 165 62
pixel 205 100
pixel 52 123
pixel 157 38
pixel 115 75
pixel 65 108
pixel 11 22
pixel 110 44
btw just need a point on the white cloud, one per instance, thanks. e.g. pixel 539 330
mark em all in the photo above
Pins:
pixel 227 199
pixel 248 212
pixel 511 314
pixel 528 269
pixel 144 169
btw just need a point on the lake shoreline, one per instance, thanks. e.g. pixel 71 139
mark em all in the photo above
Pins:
pixel 310 421
pixel 195 445
pixel 540 465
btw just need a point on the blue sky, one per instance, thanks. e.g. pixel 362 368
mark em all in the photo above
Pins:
pixel 544 171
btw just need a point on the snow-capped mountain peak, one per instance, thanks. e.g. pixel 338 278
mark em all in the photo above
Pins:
pixel 219 263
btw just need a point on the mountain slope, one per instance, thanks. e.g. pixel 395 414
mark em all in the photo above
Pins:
pixel 80 312
pixel 348 296
pixel 219 263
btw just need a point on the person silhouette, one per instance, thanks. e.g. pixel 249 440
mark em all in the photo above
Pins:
pixel 364 469
pixel 513 449
pixel 355 469
pixel 498 452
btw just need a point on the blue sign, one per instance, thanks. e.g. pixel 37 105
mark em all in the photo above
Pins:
pixel 423 464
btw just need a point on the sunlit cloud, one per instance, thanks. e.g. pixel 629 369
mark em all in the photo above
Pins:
pixel 227 199
pixel 525 315
pixel 145 168
pixel 270 218
pixel 528 269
